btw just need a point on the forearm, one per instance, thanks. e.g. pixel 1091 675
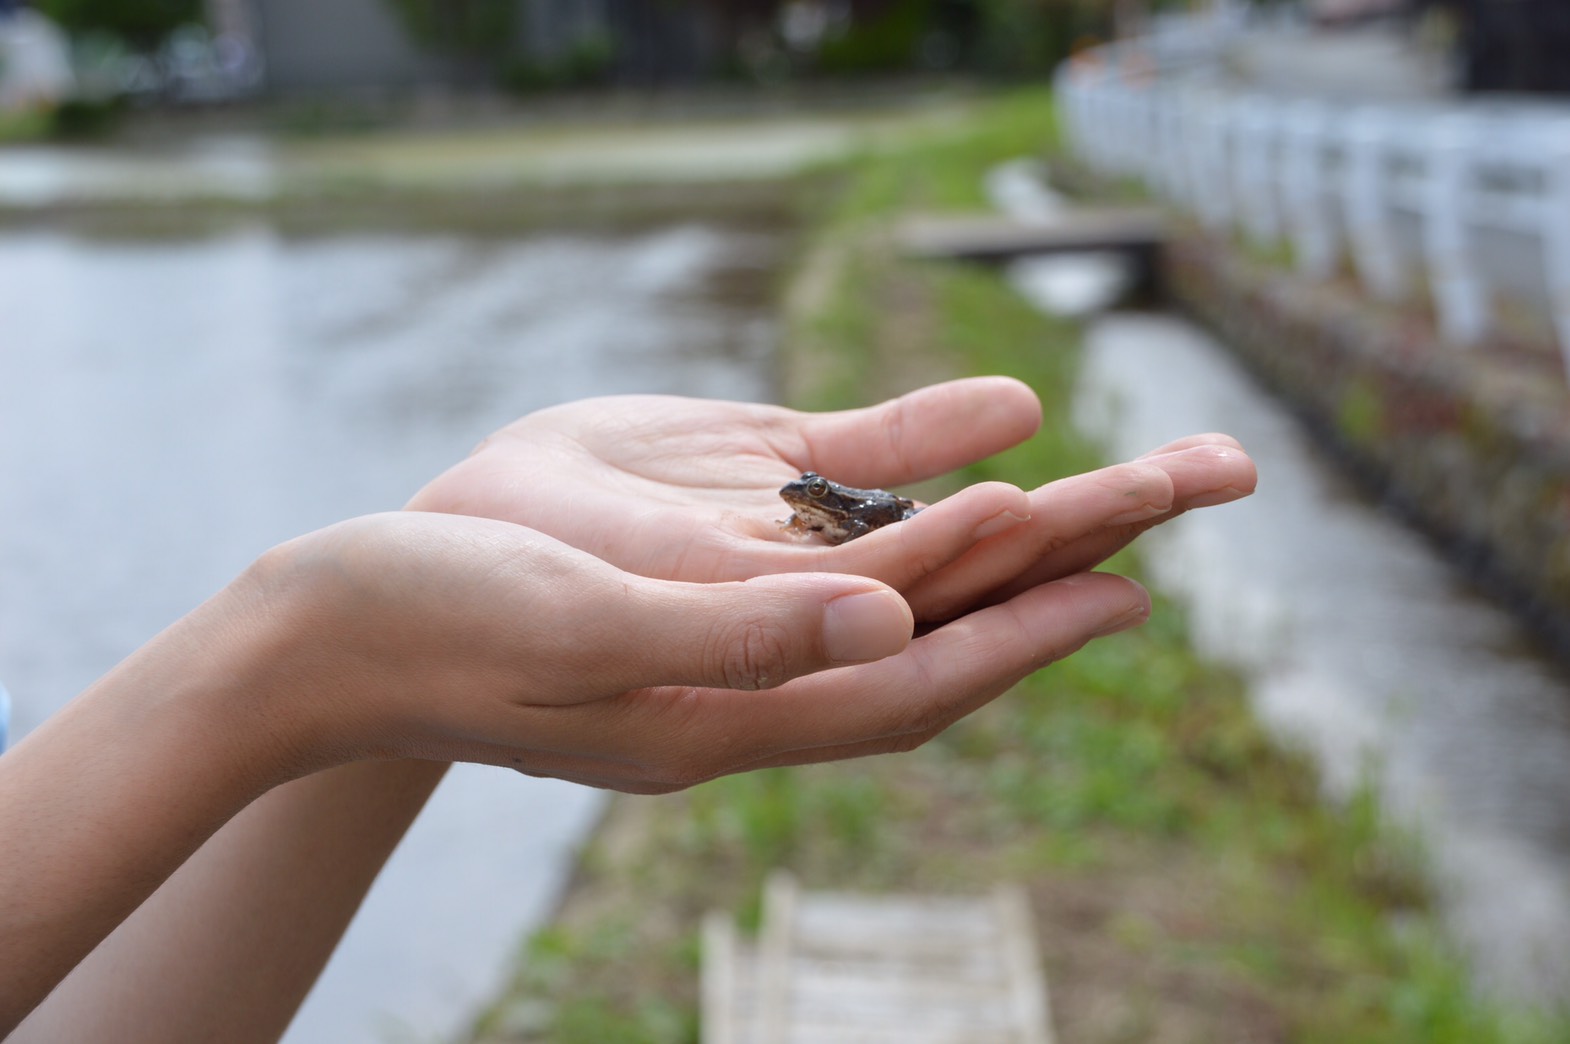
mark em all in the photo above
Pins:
pixel 109 797
pixel 230 945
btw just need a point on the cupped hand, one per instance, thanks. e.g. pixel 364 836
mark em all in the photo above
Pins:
pixel 438 636
pixel 688 489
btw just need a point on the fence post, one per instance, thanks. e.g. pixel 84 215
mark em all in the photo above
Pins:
pixel 1254 133
pixel 1172 172
pixel 1460 297
pixel 1364 183
pixel 1137 138
pixel 1303 186
pixel 1555 141
pixel 1113 130
pixel 1140 143
pixel 1211 144
pixel 1196 161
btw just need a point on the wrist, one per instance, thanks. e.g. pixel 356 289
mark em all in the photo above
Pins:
pixel 214 689
pixel 268 689
pixel 325 649
pixel 111 795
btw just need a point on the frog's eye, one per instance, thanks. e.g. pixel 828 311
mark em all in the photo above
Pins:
pixel 818 487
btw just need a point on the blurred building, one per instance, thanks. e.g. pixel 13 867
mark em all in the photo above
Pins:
pixel 310 45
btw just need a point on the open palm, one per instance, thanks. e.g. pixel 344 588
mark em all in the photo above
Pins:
pixel 686 489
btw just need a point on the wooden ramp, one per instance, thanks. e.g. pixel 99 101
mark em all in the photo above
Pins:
pixel 986 237
pixel 833 968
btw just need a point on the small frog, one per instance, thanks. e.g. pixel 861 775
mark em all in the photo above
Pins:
pixel 838 512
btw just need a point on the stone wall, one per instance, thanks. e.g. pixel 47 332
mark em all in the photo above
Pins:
pixel 1474 445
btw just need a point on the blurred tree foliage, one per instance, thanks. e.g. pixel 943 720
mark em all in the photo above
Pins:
pixel 989 37
pixel 474 31
pixel 992 37
pixel 1030 37
pixel 1008 38
pixel 141 22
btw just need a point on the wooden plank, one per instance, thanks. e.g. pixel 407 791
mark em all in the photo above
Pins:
pixel 775 953
pixel 996 238
pixel 1028 986
pixel 720 986
pixel 831 968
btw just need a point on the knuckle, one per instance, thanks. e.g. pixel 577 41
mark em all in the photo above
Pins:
pixel 919 722
pixel 1052 541
pixel 921 555
pixel 672 772
pixel 902 419
pixel 753 655
pixel 679 753
pixel 922 715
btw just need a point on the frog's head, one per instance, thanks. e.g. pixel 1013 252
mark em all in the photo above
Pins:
pixel 816 498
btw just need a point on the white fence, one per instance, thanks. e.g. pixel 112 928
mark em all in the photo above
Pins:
pixel 1469 200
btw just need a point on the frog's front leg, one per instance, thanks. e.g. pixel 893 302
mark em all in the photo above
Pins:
pixel 853 528
pixel 795 526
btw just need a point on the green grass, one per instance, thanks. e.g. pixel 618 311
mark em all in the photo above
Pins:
pixel 1187 874
pixel 26 126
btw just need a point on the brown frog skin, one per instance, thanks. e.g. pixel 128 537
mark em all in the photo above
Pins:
pixel 840 513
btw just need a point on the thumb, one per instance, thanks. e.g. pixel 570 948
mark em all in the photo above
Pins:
pixel 758 633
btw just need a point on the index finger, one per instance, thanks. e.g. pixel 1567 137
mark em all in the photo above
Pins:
pixel 922 434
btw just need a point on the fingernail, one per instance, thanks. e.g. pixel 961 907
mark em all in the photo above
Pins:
pixel 1004 519
pixel 1138 514
pixel 1224 495
pixel 1132 616
pixel 1128 620
pixel 862 627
